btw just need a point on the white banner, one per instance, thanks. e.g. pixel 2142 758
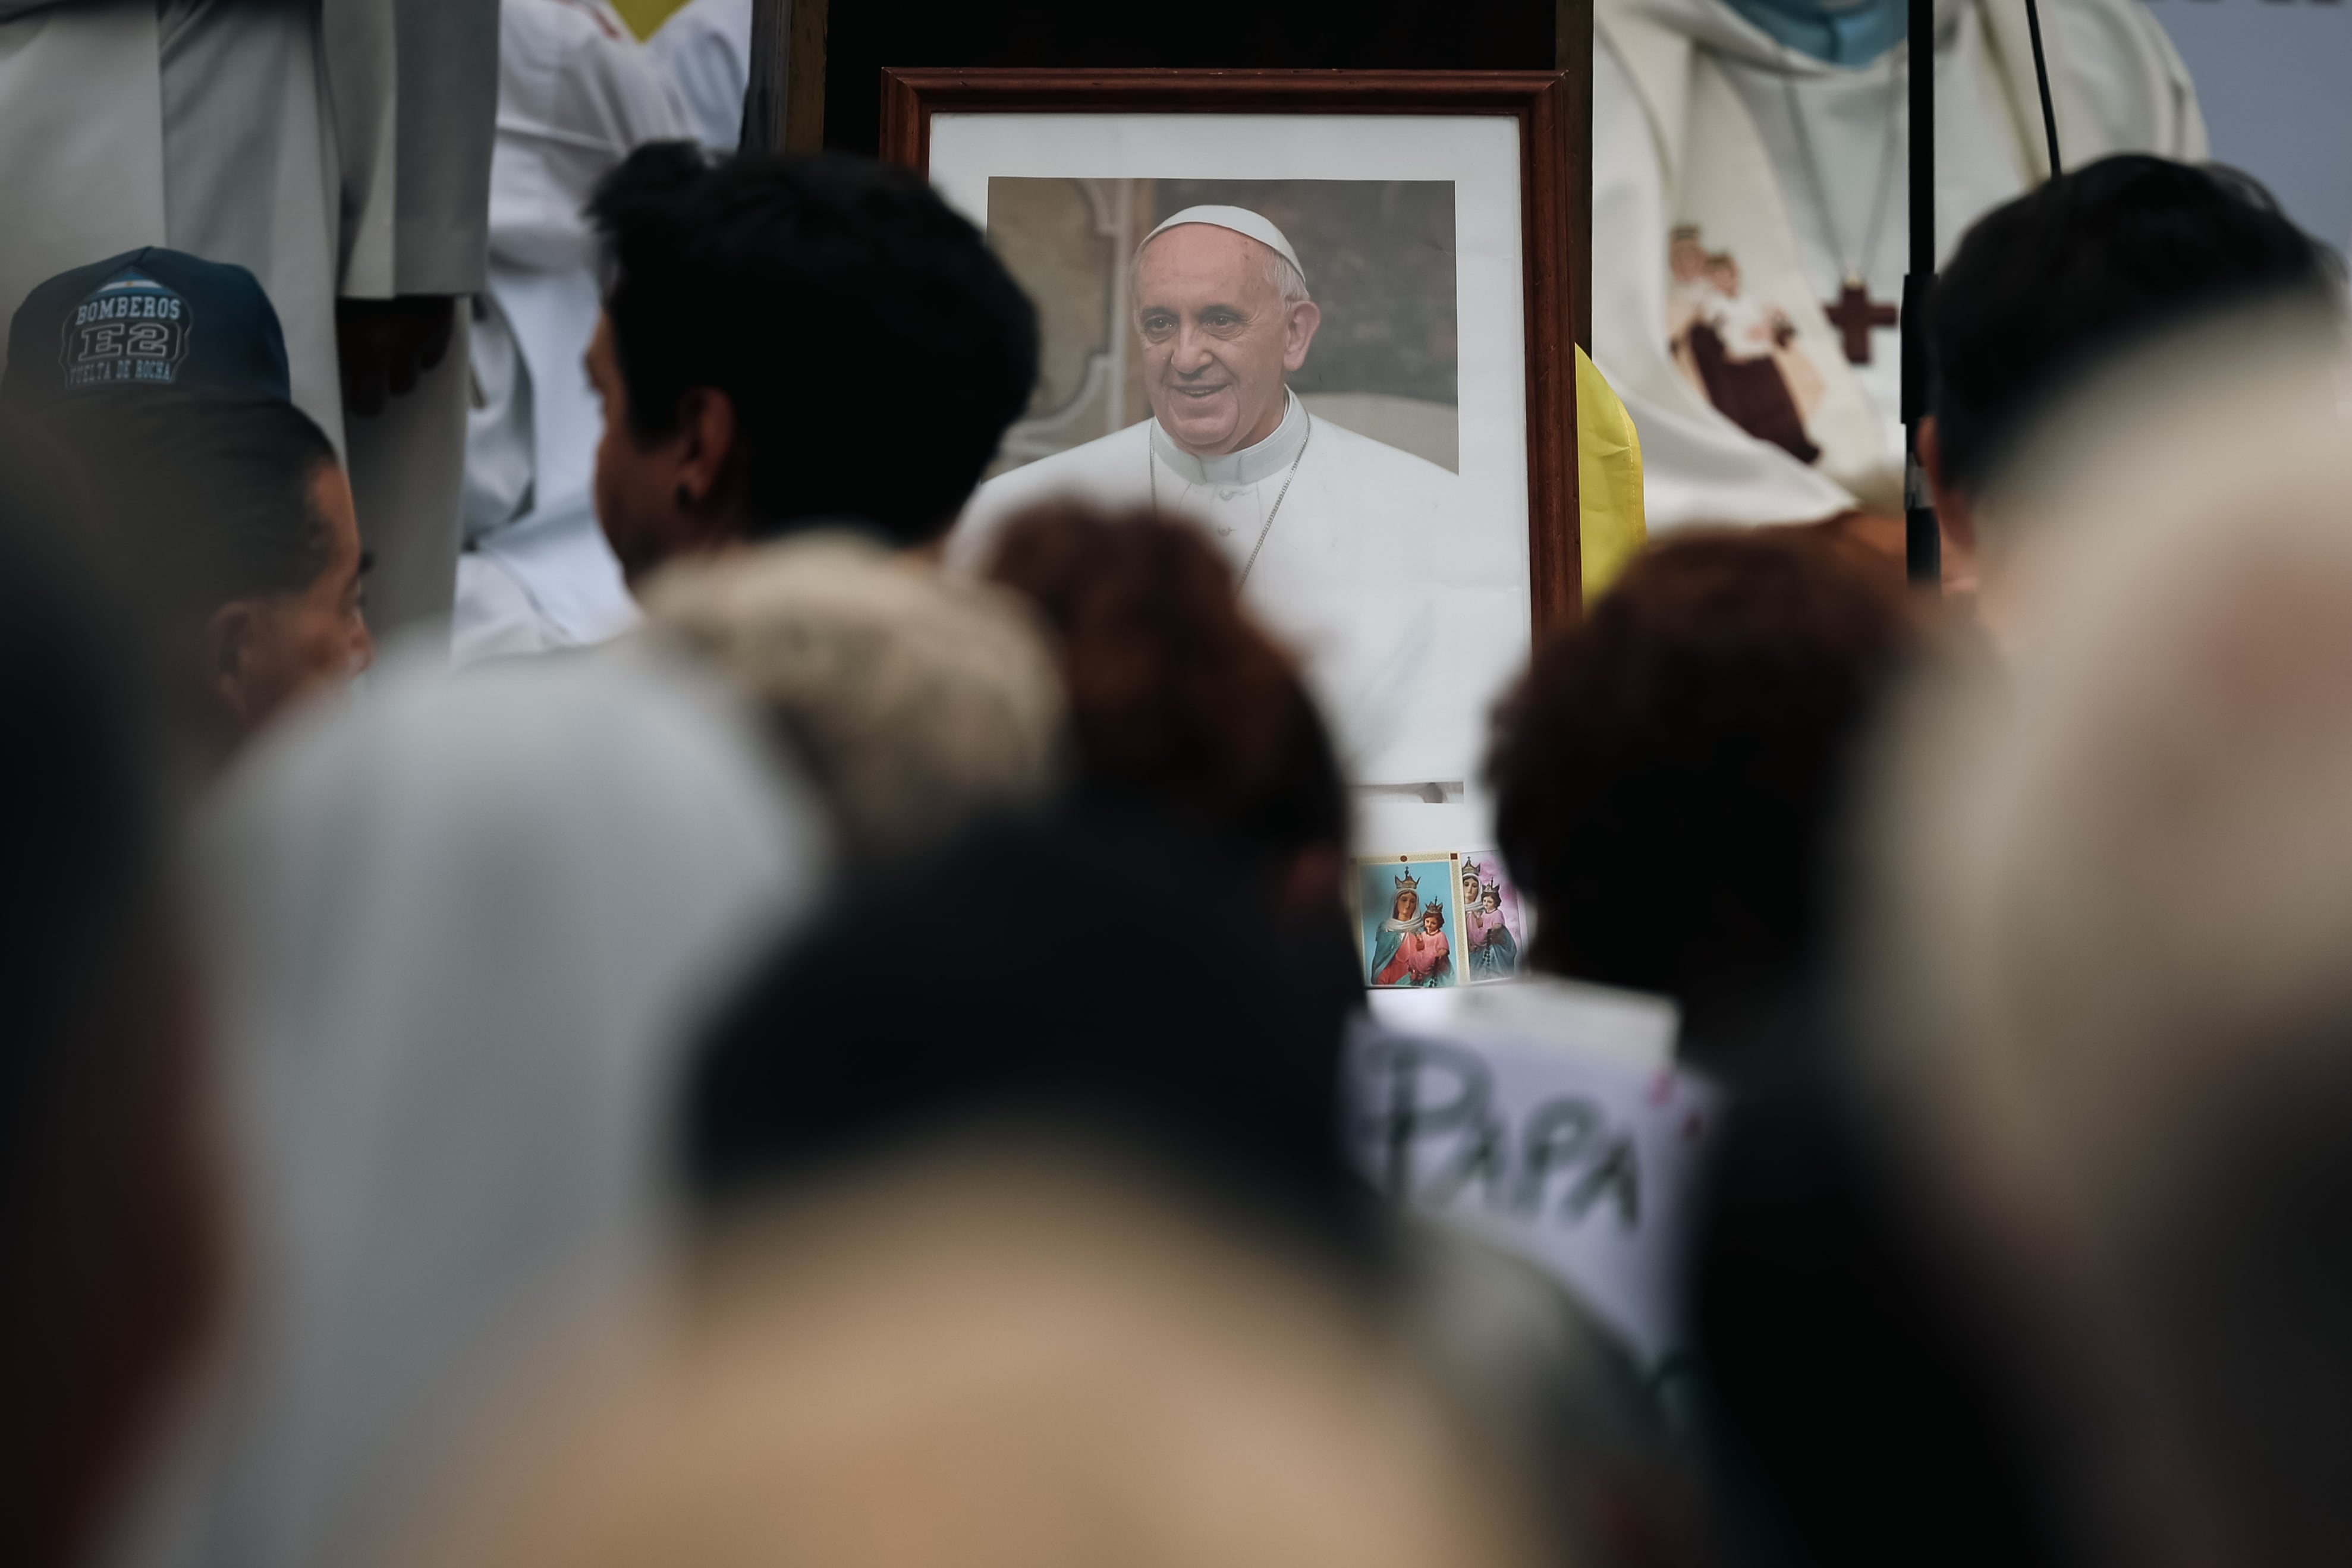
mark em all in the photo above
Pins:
pixel 1555 1125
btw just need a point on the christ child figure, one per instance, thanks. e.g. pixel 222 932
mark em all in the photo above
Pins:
pixel 1423 957
pixel 1494 951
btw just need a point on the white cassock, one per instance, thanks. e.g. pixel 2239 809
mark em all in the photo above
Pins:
pixel 331 147
pixel 1366 571
pixel 1693 124
pixel 576 92
pixel 706 47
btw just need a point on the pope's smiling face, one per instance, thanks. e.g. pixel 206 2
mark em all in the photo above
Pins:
pixel 1219 338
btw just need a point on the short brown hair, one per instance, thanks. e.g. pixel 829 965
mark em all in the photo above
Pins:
pixel 1178 700
pixel 1668 770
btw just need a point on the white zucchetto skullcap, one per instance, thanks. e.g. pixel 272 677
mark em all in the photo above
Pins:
pixel 1241 221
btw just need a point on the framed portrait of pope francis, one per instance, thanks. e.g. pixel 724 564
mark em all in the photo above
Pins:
pixel 1324 315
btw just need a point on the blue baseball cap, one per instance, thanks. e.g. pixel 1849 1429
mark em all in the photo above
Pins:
pixel 150 316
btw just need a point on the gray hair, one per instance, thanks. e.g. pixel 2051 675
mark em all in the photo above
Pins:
pixel 918 701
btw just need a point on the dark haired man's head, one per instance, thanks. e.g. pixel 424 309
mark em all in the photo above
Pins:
pixel 1180 704
pixel 1669 771
pixel 106 1223
pixel 2045 290
pixel 1069 975
pixel 793 341
pixel 231 521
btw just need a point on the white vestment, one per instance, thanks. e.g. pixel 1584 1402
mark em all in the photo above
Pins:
pixel 706 47
pixel 331 147
pixel 1693 125
pixel 1366 571
pixel 576 92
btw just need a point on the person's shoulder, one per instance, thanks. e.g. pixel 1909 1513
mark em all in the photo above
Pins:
pixel 550 29
pixel 2124 18
pixel 2108 28
pixel 2124 72
pixel 546 48
pixel 723 25
pixel 594 80
pixel 1377 463
pixel 1109 470
pixel 1081 469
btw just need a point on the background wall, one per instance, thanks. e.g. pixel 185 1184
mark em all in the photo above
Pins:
pixel 2276 77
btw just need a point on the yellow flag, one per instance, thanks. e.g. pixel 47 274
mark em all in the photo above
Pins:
pixel 1609 480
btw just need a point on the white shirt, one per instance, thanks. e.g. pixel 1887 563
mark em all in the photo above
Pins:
pixel 576 93
pixel 706 47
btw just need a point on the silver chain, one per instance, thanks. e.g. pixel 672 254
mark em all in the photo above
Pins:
pixel 1854 271
pixel 1152 472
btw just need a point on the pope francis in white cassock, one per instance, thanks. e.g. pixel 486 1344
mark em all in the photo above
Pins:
pixel 1749 232
pixel 1355 552
pixel 336 148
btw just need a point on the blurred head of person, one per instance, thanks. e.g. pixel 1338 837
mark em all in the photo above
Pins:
pixel 460 932
pixel 1670 772
pixel 1859 1402
pixel 2112 898
pixel 994 1353
pixel 231 520
pixel 919 702
pixel 2047 289
pixel 1180 706
pixel 790 341
pixel 1222 321
pixel 1553 1399
pixel 108 1233
pixel 1023 975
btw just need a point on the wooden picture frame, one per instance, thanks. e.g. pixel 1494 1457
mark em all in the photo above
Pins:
pixel 1552 155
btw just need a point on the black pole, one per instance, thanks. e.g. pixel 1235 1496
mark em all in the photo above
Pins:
pixel 2042 80
pixel 1922 544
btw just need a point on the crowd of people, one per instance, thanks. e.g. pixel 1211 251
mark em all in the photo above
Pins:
pixel 856 1068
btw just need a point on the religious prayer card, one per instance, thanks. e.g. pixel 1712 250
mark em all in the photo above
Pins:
pixel 1494 921
pixel 1409 919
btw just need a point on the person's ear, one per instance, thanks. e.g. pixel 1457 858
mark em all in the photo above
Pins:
pixel 711 464
pixel 231 660
pixel 1954 514
pixel 1305 317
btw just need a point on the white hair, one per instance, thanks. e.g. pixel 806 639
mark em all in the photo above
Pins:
pixel 919 701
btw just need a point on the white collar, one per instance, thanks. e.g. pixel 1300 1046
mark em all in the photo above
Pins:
pixel 1251 465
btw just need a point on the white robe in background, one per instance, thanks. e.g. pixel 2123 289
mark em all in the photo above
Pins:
pixel 576 93
pixel 1367 571
pixel 706 47
pixel 331 147
pixel 1691 124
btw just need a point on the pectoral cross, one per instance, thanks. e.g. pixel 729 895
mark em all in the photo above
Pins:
pixel 1853 313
